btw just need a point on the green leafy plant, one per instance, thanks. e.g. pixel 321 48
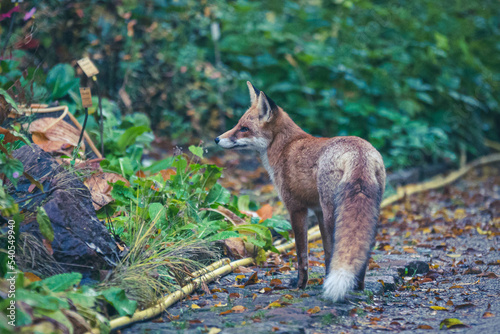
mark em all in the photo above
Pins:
pixel 60 303
pixel 185 201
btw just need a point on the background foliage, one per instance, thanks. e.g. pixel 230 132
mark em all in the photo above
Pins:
pixel 419 79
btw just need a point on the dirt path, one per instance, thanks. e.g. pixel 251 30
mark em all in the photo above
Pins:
pixel 437 257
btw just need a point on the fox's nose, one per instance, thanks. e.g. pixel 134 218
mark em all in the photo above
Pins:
pixel 217 140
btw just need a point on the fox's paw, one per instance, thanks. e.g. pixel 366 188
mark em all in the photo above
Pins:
pixel 298 282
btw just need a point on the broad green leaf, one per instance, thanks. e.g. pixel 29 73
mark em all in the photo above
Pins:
pixel 35 299
pixel 243 203
pixel 117 298
pixel 218 194
pixel 160 165
pixel 44 224
pixel 224 235
pixel 9 99
pixel 130 135
pixel 61 80
pixel 280 225
pixel 196 150
pixel 59 317
pixel 59 283
pixel 157 212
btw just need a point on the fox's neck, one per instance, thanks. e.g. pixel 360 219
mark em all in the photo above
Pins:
pixel 285 131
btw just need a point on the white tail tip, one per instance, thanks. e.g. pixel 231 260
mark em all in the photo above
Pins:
pixel 338 283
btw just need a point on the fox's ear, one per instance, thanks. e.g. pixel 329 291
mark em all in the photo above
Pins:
pixel 267 108
pixel 254 92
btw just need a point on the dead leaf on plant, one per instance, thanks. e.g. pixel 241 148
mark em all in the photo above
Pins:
pixel 60 138
pixel 235 248
pixel 99 188
pixel 265 212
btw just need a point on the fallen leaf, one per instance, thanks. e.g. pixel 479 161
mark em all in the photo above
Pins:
pixel 265 290
pixel 488 274
pixel 275 282
pixel 274 304
pixel 488 315
pixel 304 295
pixel 219 304
pixel 424 327
pixel 234 295
pixel 194 306
pixel 313 310
pixel 460 214
pixel 239 309
pixel 226 312
pixel 252 280
pixel 439 308
pixel 288 297
pixel 451 323
pixel 195 321
pixel 242 269
pixel 462 306
pixel 456 287
pixel 214 330
pixel 409 250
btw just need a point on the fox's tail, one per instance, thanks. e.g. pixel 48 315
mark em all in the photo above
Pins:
pixel 357 205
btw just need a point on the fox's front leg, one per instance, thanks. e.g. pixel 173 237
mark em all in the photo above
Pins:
pixel 299 226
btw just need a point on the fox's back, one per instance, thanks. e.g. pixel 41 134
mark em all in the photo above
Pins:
pixel 310 162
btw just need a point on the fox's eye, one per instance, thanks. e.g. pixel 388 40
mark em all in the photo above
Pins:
pixel 244 129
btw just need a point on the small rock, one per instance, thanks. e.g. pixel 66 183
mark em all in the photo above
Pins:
pixel 414 268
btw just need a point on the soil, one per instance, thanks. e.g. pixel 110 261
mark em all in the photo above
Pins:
pixel 437 257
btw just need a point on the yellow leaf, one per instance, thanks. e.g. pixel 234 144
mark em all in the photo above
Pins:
pixel 460 214
pixel 407 235
pixel 480 231
pixel 450 323
pixel 220 305
pixel 274 304
pixel 194 306
pixel 439 308
pixel 240 277
pixel 288 297
pixel 214 330
pixel 313 310
pixel 454 255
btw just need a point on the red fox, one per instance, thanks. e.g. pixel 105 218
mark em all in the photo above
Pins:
pixel 342 179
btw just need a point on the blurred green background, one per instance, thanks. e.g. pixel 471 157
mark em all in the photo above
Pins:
pixel 419 79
